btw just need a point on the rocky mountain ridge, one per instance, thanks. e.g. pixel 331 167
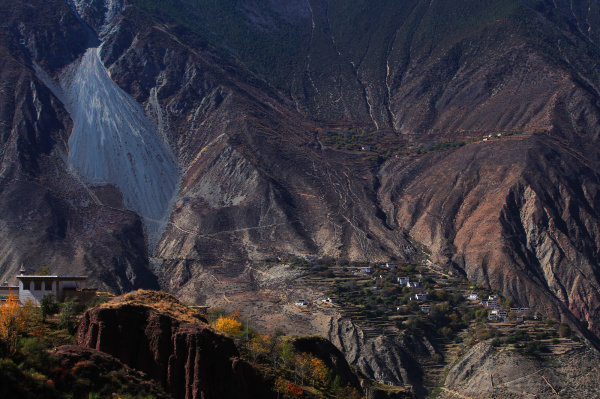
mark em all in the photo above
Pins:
pixel 518 214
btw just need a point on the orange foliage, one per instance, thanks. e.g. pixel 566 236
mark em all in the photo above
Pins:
pixel 13 322
pixel 260 345
pixel 288 389
pixel 312 367
pixel 294 390
pixel 228 325
pixel 319 372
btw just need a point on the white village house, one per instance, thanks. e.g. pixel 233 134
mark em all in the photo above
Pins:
pixel 36 287
pixel 403 280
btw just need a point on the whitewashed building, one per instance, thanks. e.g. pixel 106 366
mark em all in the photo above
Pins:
pixel 403 280
pixel 62 287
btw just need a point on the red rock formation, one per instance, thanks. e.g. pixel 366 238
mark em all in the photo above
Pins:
pixel 182 353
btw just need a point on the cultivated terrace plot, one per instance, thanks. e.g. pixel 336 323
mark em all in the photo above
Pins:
pixel 407 300
pixel 382 144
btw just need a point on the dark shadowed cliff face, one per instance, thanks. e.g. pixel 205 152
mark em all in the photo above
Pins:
pixel 238 101
pixel 156 334
pixel 48 216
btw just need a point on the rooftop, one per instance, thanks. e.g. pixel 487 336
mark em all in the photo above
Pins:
pixel 33 277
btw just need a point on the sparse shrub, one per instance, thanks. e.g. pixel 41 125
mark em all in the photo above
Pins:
pixel 299 262
pixel 342 262
pixel 517 336
pixel 48 306
pixel 564 330
pixel 534 348
pixel 446 331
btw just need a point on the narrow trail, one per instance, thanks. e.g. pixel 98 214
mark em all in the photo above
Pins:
pixel 454 393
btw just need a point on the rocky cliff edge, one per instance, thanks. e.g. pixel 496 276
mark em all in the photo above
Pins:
pixel 152 332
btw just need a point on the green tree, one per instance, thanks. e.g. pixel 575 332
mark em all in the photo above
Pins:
pixel 68 311
pixel 43 271
pixel 48 306
pixel 564 330
pixel 287 353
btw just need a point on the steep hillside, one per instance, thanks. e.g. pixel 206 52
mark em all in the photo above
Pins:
pixel 48 215
pixel 462 135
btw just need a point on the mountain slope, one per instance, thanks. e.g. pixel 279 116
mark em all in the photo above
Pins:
pixel 244 94
pixel 49 217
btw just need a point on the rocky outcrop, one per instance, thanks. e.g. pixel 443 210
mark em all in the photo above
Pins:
pixel 334 360
pixel 387 359
pixel 154 333
pixel 485 372
pixel 330 355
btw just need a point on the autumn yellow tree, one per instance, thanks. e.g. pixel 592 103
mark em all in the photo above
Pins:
pixel 280 386
pixel 318 371
pixel 13 322
pixel 228 325
pixel 302 364
pixel 310 366
pixel 260 345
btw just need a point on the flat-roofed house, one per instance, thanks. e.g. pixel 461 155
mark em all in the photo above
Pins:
pixel 62 287
pixel 403 280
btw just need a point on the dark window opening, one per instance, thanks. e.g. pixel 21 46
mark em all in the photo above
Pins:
pixel 48 286
pixel 37 286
